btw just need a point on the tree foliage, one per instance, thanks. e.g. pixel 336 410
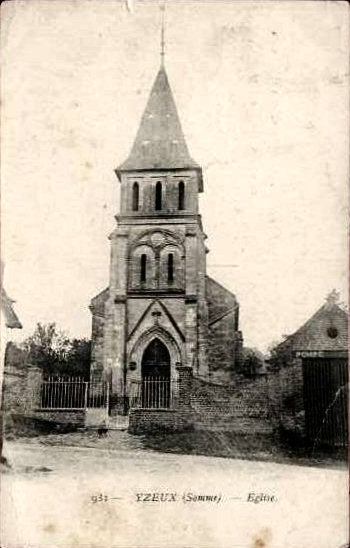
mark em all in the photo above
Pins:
pixel 280 354
pixel 252 362
pixel 56 354
pixel 78 359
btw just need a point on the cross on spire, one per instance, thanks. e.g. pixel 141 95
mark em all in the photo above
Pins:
pixel 162 39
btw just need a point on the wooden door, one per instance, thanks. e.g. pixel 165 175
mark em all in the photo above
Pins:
pixel 325 400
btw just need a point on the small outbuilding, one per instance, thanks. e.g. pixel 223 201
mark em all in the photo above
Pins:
pixel 319 356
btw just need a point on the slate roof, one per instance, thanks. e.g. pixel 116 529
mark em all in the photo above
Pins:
pixel 160 142
pixel 314 334
pixel 219 299
pixel 11 319
pixel 97 303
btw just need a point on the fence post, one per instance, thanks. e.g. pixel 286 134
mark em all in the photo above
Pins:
pixel 107 398
pixel 86 395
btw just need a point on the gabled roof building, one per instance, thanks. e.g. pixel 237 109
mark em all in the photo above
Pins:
pixel 325 331
pixel 314 377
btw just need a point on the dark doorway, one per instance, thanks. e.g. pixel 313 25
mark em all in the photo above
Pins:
pixel 325 399
pixel 156 375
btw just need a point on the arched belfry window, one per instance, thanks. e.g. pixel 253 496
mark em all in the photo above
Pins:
pixel 135 197
pixel 143 269
pixel 170 267
pixel 181 195
pixel 158 200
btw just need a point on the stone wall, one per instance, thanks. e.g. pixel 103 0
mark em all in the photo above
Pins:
pixel 219 299
pixel 96 367
pixel 220 349
pixel 224 339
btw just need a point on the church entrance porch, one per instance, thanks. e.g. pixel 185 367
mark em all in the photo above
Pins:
pixel 155 371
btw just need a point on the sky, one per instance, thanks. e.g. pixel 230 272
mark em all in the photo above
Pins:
pixel 262 90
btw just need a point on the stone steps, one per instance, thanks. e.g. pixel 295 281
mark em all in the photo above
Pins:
pixel 118 422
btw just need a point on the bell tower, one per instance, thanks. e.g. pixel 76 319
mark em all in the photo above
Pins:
pixel 161 314
pixel 158 254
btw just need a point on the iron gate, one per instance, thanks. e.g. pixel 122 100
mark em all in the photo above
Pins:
pixel 154 393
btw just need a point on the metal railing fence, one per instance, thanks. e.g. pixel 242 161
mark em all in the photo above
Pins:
pixel 73 393
pixel 70 394
pixel 154 393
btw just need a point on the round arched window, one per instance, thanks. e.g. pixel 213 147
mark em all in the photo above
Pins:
pixel 158 197
pixel 135 197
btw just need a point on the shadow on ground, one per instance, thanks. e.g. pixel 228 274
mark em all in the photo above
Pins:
pixel 273 448
pixel 251 447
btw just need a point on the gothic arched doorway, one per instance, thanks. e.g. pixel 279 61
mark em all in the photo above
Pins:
pixel 155 371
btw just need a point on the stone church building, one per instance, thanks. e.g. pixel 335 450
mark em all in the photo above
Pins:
pixel 161 310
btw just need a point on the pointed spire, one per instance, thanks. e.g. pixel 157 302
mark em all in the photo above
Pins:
pixel 160 142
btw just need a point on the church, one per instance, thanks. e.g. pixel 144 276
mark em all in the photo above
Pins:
pixel 161 310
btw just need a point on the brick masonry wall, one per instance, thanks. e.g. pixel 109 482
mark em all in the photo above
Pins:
pixel 60 417
pixel 28 424
pixel 21 401
pixel 246 409
pixel 287 399
pixel 21 390
pixel 242 409
pixel 14 389
pixel 153 420
pixel 260 405
pixel 175 419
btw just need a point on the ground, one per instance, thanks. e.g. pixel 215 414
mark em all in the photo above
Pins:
pixel 56 494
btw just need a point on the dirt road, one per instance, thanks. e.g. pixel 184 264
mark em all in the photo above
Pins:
pixel 65 496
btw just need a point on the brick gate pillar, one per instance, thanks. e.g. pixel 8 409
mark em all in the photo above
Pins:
pixel 185 385
pixel 33 389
